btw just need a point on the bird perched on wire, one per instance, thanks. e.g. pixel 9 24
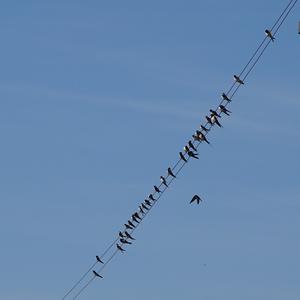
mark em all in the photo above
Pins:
pixel 192 146
pixel 214 113
pixel 238 79
pixel 201 137
pixel 224 110
pixel 215 120
pixel 131 224
pixel 147 202
pixel 171 173
pixel 157 189
pixel 121 234
pixel 99 260
pixel 151 197
pixel 129 236
pixel 97 274
pixel 224 97
pixel 128 226
pixel 163 181
pixel 208 119
pixel 193 155
pixel 204 128
pixel 196 198
pixel 134 219
pixel 120 248
pixel 144 206
pixel 269 34
pixel 123 241
pixel 185 148
pixel 182 157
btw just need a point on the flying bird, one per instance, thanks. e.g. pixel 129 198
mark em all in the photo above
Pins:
pixel 238 79
pixel 97 275
pixel 196 198
pixel 120 248
pixel 214 113
pixel 204 128
pixel 171 173
pixel 224 96
pixel 182 156
pixel 215 120
pixel 269 34
pixel 99 260
pixel 123 241
pixel 129 236
pixel 224 110
pixel 157 189
pixel 192 146
pixel 163 181
pixel 192 154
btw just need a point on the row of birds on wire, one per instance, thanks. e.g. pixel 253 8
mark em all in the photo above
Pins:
pixel 125 236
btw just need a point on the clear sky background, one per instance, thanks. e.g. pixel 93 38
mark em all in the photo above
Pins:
pixel 97 99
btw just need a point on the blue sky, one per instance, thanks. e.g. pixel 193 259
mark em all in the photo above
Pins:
pixel 97 99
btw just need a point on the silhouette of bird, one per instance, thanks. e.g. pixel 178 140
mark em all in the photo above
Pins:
pixel 129 236
pixel 224 110
pixel 121 234
pixel 215 120
pixel 204 128
pixel 192 146
pixel 238 79
pixel 120 248
pixel 151 197
pixel 144 206
pixel 182 156
pixel 208 120
pixel 136 214
pixel 157 189
pixel 202 137
pixel 186 148
pixel 192 154
pixel 196 198
pixel 224 96
pixel 97 275
pixel 214 113
pixel 128 226
pixel 269 34
pixel 131 224
pixel 141 210
pixel 163 181
pixel 123 241
pixel 99 260
pixel 134 219
pixel 147 202
pixel 171 173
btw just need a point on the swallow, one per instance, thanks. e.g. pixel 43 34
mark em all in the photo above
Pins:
pixel 214 113
pixel 131 224
pixel 186 149
pixel 144 206
pixel 147 202
pixel 163 181
pixel 137 216
pixel 224 96
pixel 202 137
pixel 128 226
pixel 192 146
pixel 123 241
pixel 196 137
pixel 196 198
pixel 129 236
pixel 171 173
pixel 151 197
pixel 182 156
pixel 224 110
pixel 99 260
pixel 238 79
pixel 204 128
pixel 215 120
pixel 269 34
pixel 208 120
pixel 120 248
pixel 121 234
pixel 157 189
pixel 141 210
pixel 97 275
pixel 134 219
pixel 192 154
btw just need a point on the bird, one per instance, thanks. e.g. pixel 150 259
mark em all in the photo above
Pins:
pixel 214 120
pixel 121 234
pixel 192 146
pixel 99 260
pixel 123 241
pixel 151 197
pixel 196 198
pixel 136 214
pixel 131 224
pixel 224 96
pixel 214 113
pixel 134 219
pixel 269 34
pixel 202 137
pixel 182 156
pixel 129 236
pixel 163 181
pixel 186 148
pixel 120 248
pixel 96 274
pixel 208 120
pixel 171 173
pixel 192 154
pixel 224 110
pixel 157 189
pixel 128 226
pixel 238 79
pixel 141 210
pixel 147 202
pixel 204 128
pixel 144 206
